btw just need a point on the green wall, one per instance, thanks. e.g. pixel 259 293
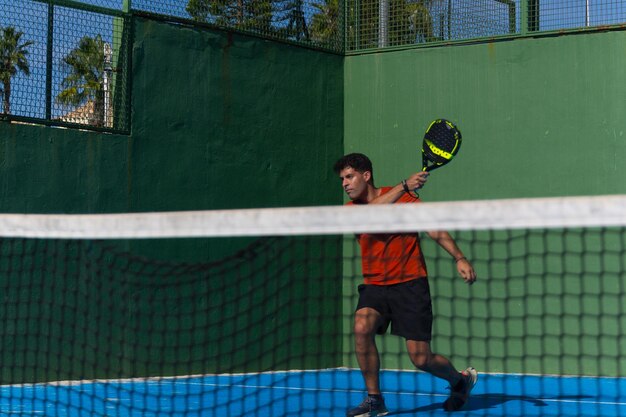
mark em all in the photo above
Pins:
pixel 219 120
pixel 539 117
pixel 51 170
pixel 228 121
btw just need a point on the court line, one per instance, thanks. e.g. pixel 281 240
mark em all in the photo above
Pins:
pixel 344 390
pixel 167 378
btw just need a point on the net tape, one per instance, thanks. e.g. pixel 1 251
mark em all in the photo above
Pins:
pixel 555 212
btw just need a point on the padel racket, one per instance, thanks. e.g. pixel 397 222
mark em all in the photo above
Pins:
pixel 442 142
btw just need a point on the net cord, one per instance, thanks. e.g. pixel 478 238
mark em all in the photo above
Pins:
pixel 555 212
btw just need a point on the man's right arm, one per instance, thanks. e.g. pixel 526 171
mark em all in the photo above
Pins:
pixel 413 182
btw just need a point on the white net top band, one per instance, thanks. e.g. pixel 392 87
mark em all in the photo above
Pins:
pixel 596 211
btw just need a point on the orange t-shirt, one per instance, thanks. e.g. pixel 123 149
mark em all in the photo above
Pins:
pixel 392 258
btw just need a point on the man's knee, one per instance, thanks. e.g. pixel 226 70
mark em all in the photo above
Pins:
pixel 363 329
pixel 365 322
pixel 421 359
pixel 420 354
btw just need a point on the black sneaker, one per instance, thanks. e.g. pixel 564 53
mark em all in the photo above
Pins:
pixel 460 393
pixel 370 407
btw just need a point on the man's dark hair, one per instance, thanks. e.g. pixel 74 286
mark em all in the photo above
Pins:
pixel 356 161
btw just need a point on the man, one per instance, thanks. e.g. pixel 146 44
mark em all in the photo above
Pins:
pixel 396 290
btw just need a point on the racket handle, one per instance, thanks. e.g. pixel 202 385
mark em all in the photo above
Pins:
pixel 416 192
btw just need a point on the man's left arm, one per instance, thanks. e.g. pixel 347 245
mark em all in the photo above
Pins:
pixel 463 266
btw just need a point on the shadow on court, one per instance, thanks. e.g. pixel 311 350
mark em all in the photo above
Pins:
pixel 489 401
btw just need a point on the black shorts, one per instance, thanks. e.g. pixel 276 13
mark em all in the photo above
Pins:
pixel 407 306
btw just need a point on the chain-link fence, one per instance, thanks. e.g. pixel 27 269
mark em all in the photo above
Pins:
pixel 66 62
pixel 547 15
pixel 379 24
pixel 317 23
pixel 387 23
pixel 64 65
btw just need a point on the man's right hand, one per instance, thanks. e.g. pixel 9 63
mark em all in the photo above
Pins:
pixel 417 180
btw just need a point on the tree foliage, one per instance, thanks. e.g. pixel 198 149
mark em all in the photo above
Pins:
pixel 85 79
pixel 294 16
pixel 409 21
pixel 240 14
pixel 13 59
pixel 326 23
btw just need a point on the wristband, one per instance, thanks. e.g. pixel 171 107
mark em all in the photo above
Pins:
pixel 406 187
pixel 460 259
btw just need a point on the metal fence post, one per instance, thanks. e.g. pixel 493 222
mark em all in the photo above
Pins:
pixel 49 57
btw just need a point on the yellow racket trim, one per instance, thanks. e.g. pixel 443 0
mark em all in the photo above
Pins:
pixel 441 152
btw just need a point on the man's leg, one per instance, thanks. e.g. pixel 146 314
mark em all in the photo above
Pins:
pixel 423 358
pixel 461 383
pixel 366 321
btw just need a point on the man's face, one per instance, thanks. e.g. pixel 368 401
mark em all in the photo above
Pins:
pixel 354 183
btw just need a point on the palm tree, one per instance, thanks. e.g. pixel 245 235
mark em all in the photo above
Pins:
pixel 85 80
pixel 13 58
pixel 326 23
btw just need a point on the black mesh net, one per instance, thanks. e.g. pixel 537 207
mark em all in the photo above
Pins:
pixel 265 326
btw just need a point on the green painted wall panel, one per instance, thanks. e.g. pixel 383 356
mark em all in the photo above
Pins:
pixel 225 121
pixel 53 170
pixel 539 117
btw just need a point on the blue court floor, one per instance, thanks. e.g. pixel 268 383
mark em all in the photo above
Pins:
pixel 314 393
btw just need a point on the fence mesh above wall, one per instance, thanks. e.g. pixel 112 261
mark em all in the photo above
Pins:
pixel 65 65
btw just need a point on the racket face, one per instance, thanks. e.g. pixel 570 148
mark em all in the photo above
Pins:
pixel 442 142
